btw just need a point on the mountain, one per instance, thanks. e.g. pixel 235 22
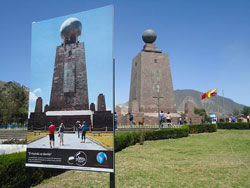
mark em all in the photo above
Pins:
pixel 219 105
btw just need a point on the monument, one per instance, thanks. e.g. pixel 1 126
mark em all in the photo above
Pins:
pixel 101 105
pixel 190 115
pixel 69 101
pixel 69 88
pixel 151 81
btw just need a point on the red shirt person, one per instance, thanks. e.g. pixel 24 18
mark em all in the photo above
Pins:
pixel 52 129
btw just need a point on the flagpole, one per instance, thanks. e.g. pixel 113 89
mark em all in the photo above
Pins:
pixel 223 105
pixel 218 105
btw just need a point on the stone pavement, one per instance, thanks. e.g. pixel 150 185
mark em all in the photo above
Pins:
pixel 71 141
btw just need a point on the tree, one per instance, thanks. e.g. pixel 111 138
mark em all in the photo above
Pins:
pixel 201 112
pixel 13 103
pixel 236 112
pixel 246 111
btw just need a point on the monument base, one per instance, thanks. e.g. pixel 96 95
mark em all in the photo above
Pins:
pixel 98 120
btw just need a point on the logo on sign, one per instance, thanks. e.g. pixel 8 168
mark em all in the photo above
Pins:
pixel 79 159
pixel 101 157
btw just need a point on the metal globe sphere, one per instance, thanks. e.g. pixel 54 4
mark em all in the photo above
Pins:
pixel 71 29
pixel 149 36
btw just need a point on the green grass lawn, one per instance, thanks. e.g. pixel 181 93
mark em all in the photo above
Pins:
pixel 220 159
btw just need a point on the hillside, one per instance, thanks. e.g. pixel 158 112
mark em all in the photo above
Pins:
pixel 216 105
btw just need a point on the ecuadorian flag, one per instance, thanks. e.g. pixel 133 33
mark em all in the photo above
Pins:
pixel 214 93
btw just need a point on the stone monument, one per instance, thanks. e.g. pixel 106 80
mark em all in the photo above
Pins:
pixel 190 115
pixel 69 88
pixel 101 104
pixel 39 105
pixel 151 80
pixel 92 107
pixel 102 118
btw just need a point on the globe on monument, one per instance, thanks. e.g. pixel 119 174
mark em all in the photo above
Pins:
pixel 149 36
pixel 70 30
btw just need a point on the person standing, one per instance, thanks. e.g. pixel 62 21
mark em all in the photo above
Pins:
pixel 115 120
pixel 52 129
pixel 248 118
pixel 131 119
pixel 78 125
pixel 61 133
pixel 84 128
pixel 161 119
pixel 168 118
pixel 190 121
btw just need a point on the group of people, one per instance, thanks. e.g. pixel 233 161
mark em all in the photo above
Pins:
pixel 163 119
pixel 83 128
pixel 52 129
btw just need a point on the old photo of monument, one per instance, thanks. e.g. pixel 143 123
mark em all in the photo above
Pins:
pixel 71 100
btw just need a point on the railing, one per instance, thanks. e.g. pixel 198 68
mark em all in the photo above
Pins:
pixel 13 126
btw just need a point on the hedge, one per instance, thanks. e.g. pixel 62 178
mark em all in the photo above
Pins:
pixel 237 125
pixel 123 140
pixel 201 128
pixel 12 166
pixel 13 172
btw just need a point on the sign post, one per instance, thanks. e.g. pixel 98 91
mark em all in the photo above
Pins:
pixel 74 77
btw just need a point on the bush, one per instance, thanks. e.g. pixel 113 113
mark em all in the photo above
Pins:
pixel 123 140
pixel 201 128
pixel 15 141
pixel 14 174
pixel 238 125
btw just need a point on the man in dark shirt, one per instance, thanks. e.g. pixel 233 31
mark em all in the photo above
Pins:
pixel 52 129
pixel 131 119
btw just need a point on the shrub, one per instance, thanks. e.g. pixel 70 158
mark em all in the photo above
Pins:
pixel 200 128
pixel 123 140
pixel 238 125
pixel 13 172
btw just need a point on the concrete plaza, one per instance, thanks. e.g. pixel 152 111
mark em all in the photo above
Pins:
pixel 71 141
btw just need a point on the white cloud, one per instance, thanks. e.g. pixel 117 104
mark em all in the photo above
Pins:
pixel 37 90
pixel 32 95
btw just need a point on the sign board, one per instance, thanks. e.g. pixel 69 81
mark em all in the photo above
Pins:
pixel 71 70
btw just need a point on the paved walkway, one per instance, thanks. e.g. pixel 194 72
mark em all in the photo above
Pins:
pixel 71 141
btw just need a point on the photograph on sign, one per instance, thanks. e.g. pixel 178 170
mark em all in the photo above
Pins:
pixel 71 92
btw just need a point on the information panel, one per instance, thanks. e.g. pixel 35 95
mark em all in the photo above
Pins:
pixel 71 94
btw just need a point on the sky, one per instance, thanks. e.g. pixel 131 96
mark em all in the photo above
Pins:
pixel 208 42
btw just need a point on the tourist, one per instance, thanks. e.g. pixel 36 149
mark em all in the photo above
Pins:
pixel 78 125
pixel 168 118
pixel 180 121
pixel 131 119
pixel 115 120
pixel 185 120
pixel 161 119
pixel 61 133
pixel 84 128
pixel 248 118
pixel 190 121
pixel 52 129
